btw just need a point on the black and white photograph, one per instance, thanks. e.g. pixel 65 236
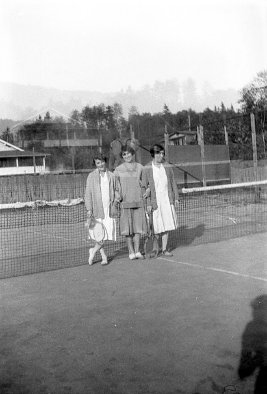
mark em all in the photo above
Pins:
pixel 133 197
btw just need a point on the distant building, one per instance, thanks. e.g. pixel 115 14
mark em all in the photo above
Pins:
pixel 185 137
pixel 70 143
pixel 16 161
pixel 52 133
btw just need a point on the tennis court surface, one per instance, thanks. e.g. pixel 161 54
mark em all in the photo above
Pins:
pixel 158 326
pixel 166 325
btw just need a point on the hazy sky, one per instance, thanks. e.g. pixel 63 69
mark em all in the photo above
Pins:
pixel 108 45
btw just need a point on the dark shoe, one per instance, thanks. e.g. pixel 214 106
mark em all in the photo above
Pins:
pixel 167 253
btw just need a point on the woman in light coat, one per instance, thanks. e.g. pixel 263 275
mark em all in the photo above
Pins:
pixel 100 195
pixel 158 177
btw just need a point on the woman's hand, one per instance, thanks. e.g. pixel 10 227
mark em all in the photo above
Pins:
pixel 176 203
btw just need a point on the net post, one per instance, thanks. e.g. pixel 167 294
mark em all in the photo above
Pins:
pixel 202 151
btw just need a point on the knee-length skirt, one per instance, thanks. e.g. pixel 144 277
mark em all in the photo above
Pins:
pixel 133 221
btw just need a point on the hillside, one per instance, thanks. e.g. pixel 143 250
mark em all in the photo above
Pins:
pixel 21 101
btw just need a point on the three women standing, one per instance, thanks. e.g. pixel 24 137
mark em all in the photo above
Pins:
pixel 133 186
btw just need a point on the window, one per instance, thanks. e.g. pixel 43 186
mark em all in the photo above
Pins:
pixel 8 162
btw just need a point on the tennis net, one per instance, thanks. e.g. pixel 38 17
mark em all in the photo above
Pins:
pixel 40 236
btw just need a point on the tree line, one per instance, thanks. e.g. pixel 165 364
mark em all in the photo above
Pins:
pixel 110 123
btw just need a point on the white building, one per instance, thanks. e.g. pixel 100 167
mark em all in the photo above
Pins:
pixel 16 161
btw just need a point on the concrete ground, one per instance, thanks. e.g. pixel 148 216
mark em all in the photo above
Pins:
pixel 160 326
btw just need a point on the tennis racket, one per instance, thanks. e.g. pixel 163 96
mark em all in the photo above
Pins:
pixel 96 230
pixel 151 246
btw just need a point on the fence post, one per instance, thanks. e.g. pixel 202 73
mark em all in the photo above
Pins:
pixel 135 144
pixel 67 135
pixel 34 161
pixel 202 152
pixel 189 120
pixel 225 131
pixel 132 132
pixel 254 144
pixel 99 138
pixel 226 136
pixel 166 143
pixel 198 136
pixel 73 152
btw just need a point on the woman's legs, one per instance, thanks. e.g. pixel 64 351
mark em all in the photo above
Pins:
pixel 164 240
pixel 136 242
pixel 129 241
pixel 92 252
pixel 133 243
pixel 103 255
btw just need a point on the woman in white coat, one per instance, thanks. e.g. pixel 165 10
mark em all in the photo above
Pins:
pixel 158 176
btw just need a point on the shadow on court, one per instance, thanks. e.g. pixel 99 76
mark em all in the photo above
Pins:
pixel 158 326
pixel 185 235
pixel 253 358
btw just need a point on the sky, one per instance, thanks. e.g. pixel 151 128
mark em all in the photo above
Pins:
pixel 109 45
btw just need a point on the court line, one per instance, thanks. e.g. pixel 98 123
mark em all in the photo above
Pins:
pixel 216 269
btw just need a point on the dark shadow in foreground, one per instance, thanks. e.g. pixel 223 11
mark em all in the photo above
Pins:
pixel 254 346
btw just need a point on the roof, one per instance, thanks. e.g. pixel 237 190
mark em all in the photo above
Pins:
pixel 16 153
pixel 34 118
pixel 7 146
pixel 182 132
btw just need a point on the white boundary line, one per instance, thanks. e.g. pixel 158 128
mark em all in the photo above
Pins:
pixel 216 269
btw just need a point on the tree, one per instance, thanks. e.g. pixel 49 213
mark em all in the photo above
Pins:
pixel 223 109
pixel 75 115
pixel 47 117
pixel 254 95
pixel 7 136
pixel 109 115
pixel 133 111
pixel 120 122
pixel 254 99
pixel 94 116
pixel 166 111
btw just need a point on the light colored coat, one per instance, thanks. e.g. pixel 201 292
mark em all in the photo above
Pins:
pixel 93 197
pixel 148 182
